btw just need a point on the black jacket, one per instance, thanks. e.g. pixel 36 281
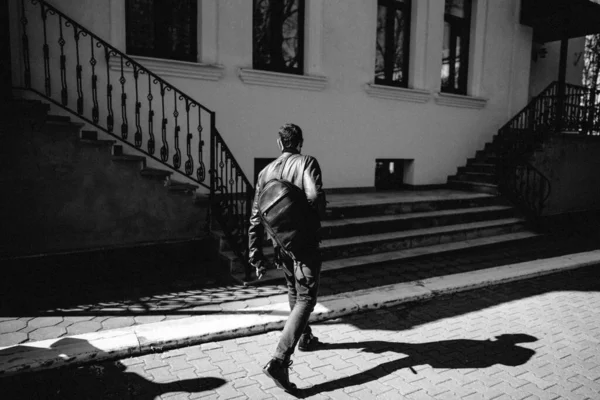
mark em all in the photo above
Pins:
pixel 301 170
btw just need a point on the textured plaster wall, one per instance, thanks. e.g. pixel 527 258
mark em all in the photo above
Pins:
pixel 62 195
pixel 345 128
pixel 572 164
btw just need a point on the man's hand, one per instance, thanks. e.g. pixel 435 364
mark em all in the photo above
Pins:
pixel 260 267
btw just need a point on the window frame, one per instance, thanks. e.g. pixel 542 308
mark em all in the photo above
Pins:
pixel 392 6
pixel 257 65
pixel 459 27
pixel 159 51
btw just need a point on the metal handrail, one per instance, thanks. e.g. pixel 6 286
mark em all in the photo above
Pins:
pixel 228 186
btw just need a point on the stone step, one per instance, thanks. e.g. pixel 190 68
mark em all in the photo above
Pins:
pixel 379 243
pixel 129 158
pixel 476 177
pixel 155 173
pixel 181 187
pixel 478 167
pixel 341 228
pixel 396 257
pixel 478 187
pixel 372 207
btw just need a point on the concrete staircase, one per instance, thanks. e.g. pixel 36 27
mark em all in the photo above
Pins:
pixel 479 175
pixel 387 227
pixel 75 192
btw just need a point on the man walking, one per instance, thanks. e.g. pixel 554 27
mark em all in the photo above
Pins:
pixel 302 275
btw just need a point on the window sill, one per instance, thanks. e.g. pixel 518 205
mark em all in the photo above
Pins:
pixel 397 93
pixel 457 100
pixel 175 68
pixel 278 79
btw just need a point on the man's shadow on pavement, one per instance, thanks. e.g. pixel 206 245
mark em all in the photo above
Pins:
pixel 445 354
pixel 102 380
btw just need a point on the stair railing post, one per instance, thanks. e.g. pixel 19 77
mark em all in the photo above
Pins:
pixel 211 170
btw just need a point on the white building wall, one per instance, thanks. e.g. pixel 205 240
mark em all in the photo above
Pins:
pixel 544 69
pixel 344 126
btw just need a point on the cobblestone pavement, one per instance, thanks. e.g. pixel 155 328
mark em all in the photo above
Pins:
pixel 91 304
pixel 533 339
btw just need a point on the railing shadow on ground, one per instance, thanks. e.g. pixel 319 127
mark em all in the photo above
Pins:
pixel 106 380
pixel 444 354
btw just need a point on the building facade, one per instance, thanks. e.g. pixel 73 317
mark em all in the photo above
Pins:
pixel 424 82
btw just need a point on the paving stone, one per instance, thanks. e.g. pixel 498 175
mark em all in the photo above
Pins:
pixel 79 328
pixel 9 339
pixel 50 332
pixel 41 322
pixel 118 322
pixel 12 326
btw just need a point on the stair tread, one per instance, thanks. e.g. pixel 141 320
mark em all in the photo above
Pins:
pixel 127 157
pixel 338 201
pixel 409 216
pixel 398 255
pixel 419 232
pixel 454 180
pixel 332 243
pixel 156 171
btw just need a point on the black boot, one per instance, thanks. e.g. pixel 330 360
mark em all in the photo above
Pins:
pixel 278 370
pixel 308 342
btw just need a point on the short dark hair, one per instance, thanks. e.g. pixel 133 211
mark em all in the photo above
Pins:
pixel 290 135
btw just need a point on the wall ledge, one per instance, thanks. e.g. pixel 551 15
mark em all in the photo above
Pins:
pixel 174 68
pixel 457 100
pixel 397 93
pixel 278 79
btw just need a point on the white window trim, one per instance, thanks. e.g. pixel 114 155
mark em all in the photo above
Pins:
pixel 313 78
pixel 458 100
pixel 174 68
pixel 207 67
pixel 278 79
pixel 397 93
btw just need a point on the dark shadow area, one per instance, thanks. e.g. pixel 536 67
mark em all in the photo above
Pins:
pixel 144 282
pixel 445 354
pixel 104 380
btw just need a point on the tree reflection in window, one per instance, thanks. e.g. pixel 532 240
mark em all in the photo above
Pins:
pixel 455 51
pixel 162 29
pixel 278 43
pixel 392 43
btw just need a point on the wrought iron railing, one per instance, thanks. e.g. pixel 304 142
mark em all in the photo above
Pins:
pixel 518 179
pixel 77 70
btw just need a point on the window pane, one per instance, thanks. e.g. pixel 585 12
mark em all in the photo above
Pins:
pixel 162 28
pixel 391 53
pixel 456 8
pixel 446 56
pixel 457 63
pixel 380 44
pixel 277 29
pixel 140 27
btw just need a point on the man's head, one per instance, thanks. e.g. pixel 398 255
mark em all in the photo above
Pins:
pixel 290 137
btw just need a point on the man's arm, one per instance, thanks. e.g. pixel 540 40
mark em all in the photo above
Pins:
pixel 255 235
pixel 313 186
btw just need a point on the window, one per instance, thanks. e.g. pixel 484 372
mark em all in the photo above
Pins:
pixel 455 52
pixel 278 42
pixel 162 29
pixel 392 42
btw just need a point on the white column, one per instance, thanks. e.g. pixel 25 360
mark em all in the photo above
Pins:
pixel 435 38
pixel 477 48
pixel 207 29
pixel 417 64
pixel 313 37
pixel 118 30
